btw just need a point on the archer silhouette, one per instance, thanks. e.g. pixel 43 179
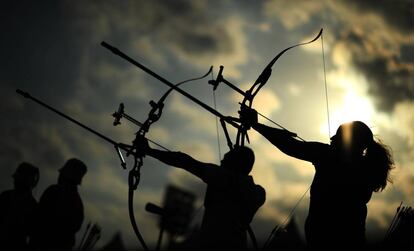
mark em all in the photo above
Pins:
pixel 232 198
pixel 17 207
pixel 348 171
pixel 60 211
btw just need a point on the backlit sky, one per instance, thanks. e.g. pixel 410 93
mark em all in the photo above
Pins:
pixel 52 50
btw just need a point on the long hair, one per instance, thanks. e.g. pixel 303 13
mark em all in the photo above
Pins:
pixel 379 164
pixel 357 140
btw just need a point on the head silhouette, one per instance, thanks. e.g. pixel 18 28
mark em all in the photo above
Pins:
pixel 352 139
pixel 240 160
pixel 26 176
pixel 356 142
pixel 72 172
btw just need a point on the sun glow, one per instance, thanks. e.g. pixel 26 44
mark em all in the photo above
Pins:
pixel 353 105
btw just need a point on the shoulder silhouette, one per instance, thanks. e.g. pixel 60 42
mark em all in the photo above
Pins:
pixel 348 171
pixel 60 212
pixel 355 166
pixel 231 201
pixel 17 208
pixel 232 198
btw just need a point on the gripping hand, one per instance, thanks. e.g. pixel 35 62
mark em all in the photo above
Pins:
pixel 141 144
pixel 248 116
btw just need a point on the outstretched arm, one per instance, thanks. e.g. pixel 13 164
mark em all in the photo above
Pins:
pixel 282 139
pixel 204 171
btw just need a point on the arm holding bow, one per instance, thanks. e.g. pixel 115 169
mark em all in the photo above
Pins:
pixel 204 171
pixel 283 139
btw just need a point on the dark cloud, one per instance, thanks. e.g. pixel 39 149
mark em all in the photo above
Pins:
pixel 387 62
pixel 24 135
pixel 391 80
pixel 11 158
pixel 195 31
pixel 407 53
pixel 37 51
pixel 211 40
pixel 183 25
pixel 398 13
pixel 388 87
pixel 48 43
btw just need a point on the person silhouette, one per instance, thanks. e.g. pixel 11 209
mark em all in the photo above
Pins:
pixel 17 208
pixel 347 172
pixel 60 211
pixel 231 200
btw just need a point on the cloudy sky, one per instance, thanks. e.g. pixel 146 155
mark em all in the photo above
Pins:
pixel 52 50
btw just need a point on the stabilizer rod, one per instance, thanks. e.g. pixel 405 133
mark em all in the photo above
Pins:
pixel 119 53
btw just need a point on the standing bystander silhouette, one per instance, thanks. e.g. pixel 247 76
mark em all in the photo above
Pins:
pixel 17 207
pixel 60 212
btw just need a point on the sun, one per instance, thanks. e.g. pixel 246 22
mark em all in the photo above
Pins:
pixel 354 107
pixel 354 104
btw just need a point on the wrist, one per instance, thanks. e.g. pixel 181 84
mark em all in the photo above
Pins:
pixel 255 125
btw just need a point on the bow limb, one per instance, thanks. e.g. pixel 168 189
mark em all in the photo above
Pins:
pixel 134 175
pixel 183 82
pixel 156 111
pixel 260 82
pixel 264 76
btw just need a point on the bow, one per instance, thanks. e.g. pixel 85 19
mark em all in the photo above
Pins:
pixel 134 174
pixel 213 111
pixel 153 116
pixel 249 95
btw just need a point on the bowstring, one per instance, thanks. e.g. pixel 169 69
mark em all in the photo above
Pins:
pixel 326 88
pixel 216 119
pixel 277 227
pixel 200 208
